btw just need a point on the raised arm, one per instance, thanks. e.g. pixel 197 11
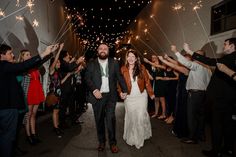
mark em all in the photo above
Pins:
pixel 153 64
pixel 187 63
pixel 200 58
pixel 223 68
pixel 31 63
pixel 52 67
pixel 176 67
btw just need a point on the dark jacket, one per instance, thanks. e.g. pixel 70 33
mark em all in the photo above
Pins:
pixel 221 87
pixel 11 92
pixel 93 79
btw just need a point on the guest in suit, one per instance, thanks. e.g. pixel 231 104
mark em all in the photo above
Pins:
pixel 221 92
pixel 11 93
pixel 101 77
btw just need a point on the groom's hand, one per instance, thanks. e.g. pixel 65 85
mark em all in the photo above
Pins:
pixel 97 94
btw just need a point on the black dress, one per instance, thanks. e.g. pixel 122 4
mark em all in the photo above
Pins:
pixel 160 88
pixel 180 127
pixel 171 93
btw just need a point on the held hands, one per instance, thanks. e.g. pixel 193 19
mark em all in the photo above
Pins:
pixel 123 95
pixel 97 94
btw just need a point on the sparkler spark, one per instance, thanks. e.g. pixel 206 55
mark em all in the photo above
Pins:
pixel 35 23
pixel 2 13
pixel 198 5
pixel 30 4
pixel 177 6
pixel 18 3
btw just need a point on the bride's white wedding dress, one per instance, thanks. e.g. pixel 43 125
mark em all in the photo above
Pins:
pixel 137 121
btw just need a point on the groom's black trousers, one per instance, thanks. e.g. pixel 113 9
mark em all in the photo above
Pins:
pixel 104 112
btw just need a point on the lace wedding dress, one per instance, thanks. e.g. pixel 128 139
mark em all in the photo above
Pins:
pixel 137 122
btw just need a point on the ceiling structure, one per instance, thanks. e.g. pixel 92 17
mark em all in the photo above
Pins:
pixel 102 20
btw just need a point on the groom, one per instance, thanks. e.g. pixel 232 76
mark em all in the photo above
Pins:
pixel 101 78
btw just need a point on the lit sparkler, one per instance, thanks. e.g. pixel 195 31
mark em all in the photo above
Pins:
pixel 30 4
pixel 177 6
pixel 198 5
pixel 35 23
pixel 18 3
pixel 2 13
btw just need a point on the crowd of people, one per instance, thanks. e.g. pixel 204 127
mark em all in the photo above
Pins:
pixel 175 91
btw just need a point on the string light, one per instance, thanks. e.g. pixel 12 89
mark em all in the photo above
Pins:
pixel 18 3
pixel 177 6
pixel 19 18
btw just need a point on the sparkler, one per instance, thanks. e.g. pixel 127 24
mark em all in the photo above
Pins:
pixel 29 4
pixel 18 3
pixel 195 8
pixel 2 13
pixel 62 27
pixel 177 7
pixel 35 23
pixel 152 17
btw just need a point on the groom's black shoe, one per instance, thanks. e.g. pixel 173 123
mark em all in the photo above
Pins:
pixel 101 147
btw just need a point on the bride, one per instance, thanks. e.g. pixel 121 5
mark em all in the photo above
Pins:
pixel 137 122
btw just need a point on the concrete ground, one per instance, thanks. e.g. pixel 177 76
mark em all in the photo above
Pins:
pixel 81 140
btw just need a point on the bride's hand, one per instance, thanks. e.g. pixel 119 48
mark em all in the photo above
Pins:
pixel 123 95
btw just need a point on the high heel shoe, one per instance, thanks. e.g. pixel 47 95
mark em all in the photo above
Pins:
pixel 30 140
pixel 35 138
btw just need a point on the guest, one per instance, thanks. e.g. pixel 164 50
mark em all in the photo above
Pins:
pixel 11 94
pixel 34 97
pixel 221 92
pixel 196 85
pixel 160 87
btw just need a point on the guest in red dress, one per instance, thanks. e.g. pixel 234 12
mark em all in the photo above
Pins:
pixel 34 96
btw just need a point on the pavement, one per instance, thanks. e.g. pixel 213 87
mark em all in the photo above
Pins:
pixel 81 140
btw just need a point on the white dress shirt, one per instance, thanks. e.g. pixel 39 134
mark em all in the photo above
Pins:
pixel 199 76
pixel 105 81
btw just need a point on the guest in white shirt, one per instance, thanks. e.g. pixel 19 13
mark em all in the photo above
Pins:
pixel 197 82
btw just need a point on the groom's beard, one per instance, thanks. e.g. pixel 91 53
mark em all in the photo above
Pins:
pixel 103 55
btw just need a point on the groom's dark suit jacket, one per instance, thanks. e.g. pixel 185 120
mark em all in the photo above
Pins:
pixel 93 79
